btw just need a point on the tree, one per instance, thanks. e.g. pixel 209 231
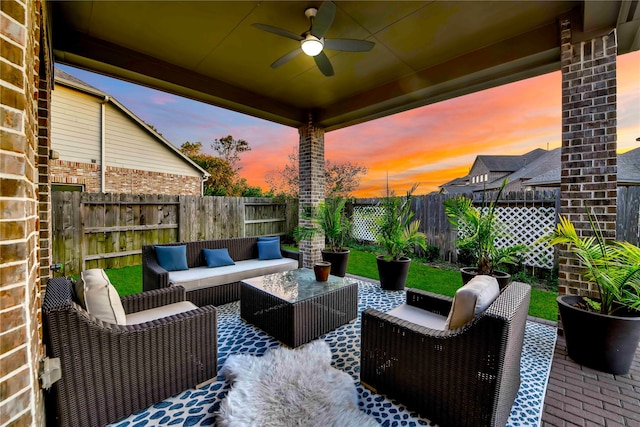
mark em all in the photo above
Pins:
pixel 340 178
pixel 229 149
pixel 222 176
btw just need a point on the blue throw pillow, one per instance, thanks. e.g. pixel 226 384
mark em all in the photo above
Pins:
pixel 217 257
pixel 269 239
pixel 172 258
pixel 269 249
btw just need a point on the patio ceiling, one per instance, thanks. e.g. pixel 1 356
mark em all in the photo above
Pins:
pixel 425 51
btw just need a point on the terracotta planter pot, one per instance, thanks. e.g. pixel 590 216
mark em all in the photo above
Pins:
pixel 606 343
pixel 468 273
pixel 393 274
pixel 338 260
pixel 322 270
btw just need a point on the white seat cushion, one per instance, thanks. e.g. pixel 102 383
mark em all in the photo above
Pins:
pixel 204 277
pixel 160 312
pixel 471 300
pixel 418 316
pixel 97 295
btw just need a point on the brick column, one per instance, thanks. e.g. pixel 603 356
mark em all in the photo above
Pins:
pixel 588 159
pixel 311 185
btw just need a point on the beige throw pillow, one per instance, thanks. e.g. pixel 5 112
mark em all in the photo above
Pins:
pixel 472 299
pixel 98 296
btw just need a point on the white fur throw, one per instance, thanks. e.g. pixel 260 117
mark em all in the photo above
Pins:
pixel 290 388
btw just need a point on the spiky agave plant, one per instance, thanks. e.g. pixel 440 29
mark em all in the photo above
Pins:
pixel 612 265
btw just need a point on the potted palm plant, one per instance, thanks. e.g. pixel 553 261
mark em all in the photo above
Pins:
pixel 397 233
pixel 601 332
pixel 478 230
pixel 331 217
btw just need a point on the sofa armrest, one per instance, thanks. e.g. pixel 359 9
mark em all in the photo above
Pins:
pixel 153 298
pixel 293 255
pixel 153 275
pixel 438 304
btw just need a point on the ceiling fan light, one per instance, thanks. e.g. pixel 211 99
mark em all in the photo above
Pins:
pixel 311 45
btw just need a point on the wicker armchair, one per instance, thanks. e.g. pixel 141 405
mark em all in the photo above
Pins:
pixel 111 371
pixel 463 377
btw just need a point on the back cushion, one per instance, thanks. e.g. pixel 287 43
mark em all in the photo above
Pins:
pixel 97 295
pixel 471 300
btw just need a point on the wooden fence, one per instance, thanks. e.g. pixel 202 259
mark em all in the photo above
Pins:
pixel 92 230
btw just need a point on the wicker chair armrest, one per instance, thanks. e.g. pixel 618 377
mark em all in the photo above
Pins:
pixel 153 298
pixel 438 304
pixel 153 275
pixel 121 369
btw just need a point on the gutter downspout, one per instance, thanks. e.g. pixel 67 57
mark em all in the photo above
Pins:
pixel 103 126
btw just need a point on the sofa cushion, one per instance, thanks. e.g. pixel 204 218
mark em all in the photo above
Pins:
pixel 471 300
pixel 160 312
pixel 269 249
pixel 418 316
pixel 97 295
pixel 172 258
pixel 204 277
pixel 217 257
pixel 268 239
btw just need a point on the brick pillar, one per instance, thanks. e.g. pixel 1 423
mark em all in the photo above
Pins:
pixel 311 185
pixel 21 399
pixel 44 146
pixel 588 159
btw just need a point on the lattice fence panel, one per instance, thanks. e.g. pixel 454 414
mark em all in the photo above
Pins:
pixel 526 225
pixel 364 222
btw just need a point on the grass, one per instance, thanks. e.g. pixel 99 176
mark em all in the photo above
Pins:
pixel 128 280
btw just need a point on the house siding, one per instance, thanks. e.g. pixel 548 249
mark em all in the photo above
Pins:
pixel 131 147
pixel 75 125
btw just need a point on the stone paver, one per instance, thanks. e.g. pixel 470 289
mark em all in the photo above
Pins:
pixel 579 396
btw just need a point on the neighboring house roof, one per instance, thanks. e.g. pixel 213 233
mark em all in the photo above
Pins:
pixel 538 166
pixel 66 79
pixel 507 163
pixel 628 171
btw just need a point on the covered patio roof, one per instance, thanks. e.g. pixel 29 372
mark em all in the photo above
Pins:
pixel 425 51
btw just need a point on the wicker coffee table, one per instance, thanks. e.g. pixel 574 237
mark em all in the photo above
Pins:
pixel 294 308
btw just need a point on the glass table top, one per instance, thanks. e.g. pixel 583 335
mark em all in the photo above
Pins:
pixel 297 285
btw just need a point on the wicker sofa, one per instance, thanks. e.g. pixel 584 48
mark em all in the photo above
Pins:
pixel 462 377
pixel 215 286
pixel 110 371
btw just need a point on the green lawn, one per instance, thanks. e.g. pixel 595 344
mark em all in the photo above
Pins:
pixel 128 280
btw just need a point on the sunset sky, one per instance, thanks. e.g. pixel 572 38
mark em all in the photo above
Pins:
pixel 429 145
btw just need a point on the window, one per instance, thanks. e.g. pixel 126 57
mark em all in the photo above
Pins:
pixel 486 177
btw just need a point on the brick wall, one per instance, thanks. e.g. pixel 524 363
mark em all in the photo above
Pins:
pixel 589 161
pixel 120 180
pixel 311 185
pixel 21 402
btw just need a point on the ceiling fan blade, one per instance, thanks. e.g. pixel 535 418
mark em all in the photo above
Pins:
pixel 324 19
pixel 278 31
pixel 286 58
pixel 349 45
pixel 322 61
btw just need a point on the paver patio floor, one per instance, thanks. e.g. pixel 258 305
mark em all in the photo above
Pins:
pixel 579 396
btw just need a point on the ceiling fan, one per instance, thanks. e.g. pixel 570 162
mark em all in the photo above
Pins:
pixel 312 41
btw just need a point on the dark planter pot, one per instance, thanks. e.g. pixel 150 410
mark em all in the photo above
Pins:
pixel 468 273
pixel 338 262
pixel 321 270
pixel 606 343
pixel 393 274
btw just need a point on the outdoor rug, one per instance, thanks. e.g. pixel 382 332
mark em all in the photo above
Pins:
pixel 199 407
